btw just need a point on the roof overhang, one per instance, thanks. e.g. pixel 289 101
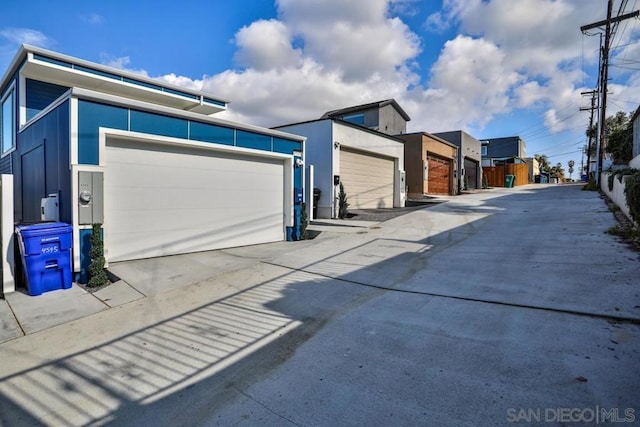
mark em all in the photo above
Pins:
pixel 62 70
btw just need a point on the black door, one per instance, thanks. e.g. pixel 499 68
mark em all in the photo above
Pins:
pixel 471 174
pixel 33 183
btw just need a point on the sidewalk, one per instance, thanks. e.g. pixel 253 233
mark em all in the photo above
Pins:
pixel 21 314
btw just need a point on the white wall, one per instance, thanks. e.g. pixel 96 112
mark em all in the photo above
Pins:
pixel 617 194
pixel 359 139
pixel 6 233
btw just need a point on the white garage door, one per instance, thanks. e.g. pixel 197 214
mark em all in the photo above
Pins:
pixel 367 179
pixel 165 200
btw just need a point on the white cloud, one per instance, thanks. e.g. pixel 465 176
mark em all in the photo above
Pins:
pixel 318 56
pixel 469 85
pixel 25 36
pixel 357 39
pixel 404 7
pixel 122 63
pixel 264 45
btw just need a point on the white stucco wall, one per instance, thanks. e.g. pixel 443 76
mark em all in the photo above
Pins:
pixel 348 136
pixel 617 194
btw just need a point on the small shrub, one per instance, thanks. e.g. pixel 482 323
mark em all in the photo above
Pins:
pixel 620 173
pixel 615 230
pixel 632 194
pixel 343 204
pixel 97 275
pixel 591 185
pixel 304 221
pixel 628 234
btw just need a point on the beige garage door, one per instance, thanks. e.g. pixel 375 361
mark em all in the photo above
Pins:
pixel 367 179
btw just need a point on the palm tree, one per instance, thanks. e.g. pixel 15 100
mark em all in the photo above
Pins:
pixel 571 165
pixel 558 171
pixel 543 162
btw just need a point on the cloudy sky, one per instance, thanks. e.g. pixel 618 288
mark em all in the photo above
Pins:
pixel 493 68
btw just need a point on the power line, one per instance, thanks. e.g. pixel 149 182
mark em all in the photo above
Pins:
pixel 574 102
pixel 626 101
pixel 564 154
pixel 610 27
pixel 543 128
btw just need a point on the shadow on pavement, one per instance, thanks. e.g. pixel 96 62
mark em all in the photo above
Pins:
pixel 181 369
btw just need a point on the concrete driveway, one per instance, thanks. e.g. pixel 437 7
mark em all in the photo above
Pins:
pixel 500 306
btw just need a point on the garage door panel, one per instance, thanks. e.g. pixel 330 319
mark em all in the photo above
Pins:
pixel 439 175
pixel 367 179
pixel 181 239
pixel 135 175
pixel 161 200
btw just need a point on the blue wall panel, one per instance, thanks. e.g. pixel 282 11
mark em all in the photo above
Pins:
pixel 253 140
pixel 40 94
pixel 44 144
pixel 91 116
pixel 159 125
pixel 211 133
pixel 286 146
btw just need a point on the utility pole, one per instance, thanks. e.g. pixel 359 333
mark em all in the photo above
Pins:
pixel 593 94
pixel 604 76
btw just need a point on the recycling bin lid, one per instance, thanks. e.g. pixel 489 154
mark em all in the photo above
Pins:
pixel 42 227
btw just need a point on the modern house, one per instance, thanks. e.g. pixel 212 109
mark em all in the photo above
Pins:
pixel 384 116
pixel 469 158
pixel 501 148
pixel 430 163
pixel 369 164
pixel 506 156
pixel 146 159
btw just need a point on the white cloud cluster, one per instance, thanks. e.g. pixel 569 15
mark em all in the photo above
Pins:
pixel 317 56
pixel 25 36
pixel 536 40
pixel 11 37
pixel 122 63
pixel 320 55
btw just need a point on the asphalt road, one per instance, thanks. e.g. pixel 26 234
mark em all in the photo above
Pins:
pixel 496 307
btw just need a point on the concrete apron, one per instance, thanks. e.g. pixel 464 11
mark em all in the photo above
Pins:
pixel 22 314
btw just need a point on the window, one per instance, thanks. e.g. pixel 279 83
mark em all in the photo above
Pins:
pixel 357 119
pixel 484 150
pixel 8 121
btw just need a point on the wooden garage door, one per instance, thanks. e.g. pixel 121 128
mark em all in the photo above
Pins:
pixel 471 173
pixel 439 175
pixel 367 179
pixel 166 200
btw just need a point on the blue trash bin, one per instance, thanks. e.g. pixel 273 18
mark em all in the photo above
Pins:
pixel 45 249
